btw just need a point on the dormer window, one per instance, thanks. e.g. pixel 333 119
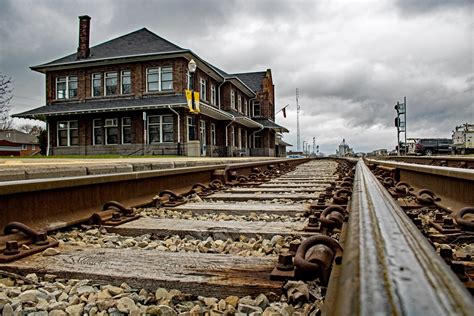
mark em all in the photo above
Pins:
pixel 66 87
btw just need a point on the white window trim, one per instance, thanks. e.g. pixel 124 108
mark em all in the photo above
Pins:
pixel 122 125
pixel 92 83
pixel 66 94
pixel 187 127
pixel 202 128
pixel 159 79
pixel 105 134
pixel 232 136
pixel 105 82
pixel 161 128
pixel 121 80
pixel 246 107
pixel 239 103
pixel 203 92
pixel 213 134
pixel 213 94
pixel 232 99
pixel 68 133
pixel 93 131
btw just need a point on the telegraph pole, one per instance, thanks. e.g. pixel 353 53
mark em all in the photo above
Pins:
pixel 297 122
pixel 314 145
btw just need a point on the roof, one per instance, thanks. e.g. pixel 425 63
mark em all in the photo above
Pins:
pixel 272 125
pixel 252 79
pixel 17 137
pixel 104 106
pixel 140 42
pixel 281 142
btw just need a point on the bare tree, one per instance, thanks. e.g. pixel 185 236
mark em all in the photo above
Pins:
pixel 34 130
pixel 6 95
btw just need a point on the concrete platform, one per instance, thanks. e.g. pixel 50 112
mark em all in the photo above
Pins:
pixel 41 168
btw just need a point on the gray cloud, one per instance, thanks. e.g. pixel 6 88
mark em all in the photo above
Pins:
pixel 351 60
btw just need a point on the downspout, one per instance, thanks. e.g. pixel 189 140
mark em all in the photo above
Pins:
pixel 179 122
pixel 226 133
pixel 47 141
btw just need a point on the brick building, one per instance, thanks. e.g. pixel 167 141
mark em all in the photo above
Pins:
pixel 126 96
pixel 16 143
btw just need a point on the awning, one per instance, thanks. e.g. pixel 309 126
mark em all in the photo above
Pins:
pixel 215 113
pixel 95 106
pixel 272 125
pixel 248 122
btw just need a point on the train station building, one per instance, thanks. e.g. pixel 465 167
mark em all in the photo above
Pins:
pixel 128 96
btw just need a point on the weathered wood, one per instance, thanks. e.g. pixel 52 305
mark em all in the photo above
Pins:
pixel 263 196
pixel 196 273
pixel 277 190
pixel 242 208
pixel 161 227
pixel 294 185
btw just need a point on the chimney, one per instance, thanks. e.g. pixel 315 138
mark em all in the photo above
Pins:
pixel 83 50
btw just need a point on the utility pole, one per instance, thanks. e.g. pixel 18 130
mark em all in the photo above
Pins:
pixel 314 145
pixel 297 121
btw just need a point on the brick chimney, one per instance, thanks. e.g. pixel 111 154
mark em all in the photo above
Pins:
pixel 83 50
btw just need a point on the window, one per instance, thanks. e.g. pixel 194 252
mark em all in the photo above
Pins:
pixel 213 134
pixel 257 141
pixel 239 137
pixel 33 147
pixel 72 87
pixel 126 130
pixel 244 139
pixel 159 79
pixel 203 89
pixel 213 95
pixel 256 108
pixel 98 131
pixel 126 81
pixel 160 129
pixel 111 131
pixel 246 105
pixel 232 99
pixel 68 133
pixel 239 104
pixel 191 120
pixel 24 147
pixel 66 87
pixel 232 136
pixel 188 80
pixel 110 83
pixel 96 85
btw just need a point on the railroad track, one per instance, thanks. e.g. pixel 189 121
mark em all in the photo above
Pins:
pixel 466 162
pixel 274 239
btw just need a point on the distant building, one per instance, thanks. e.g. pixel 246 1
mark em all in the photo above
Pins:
pixel 344 150
pixel 16 143
pixel 280 146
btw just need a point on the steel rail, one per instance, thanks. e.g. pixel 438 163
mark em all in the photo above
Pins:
pixel 388 267
pixel 455 186
pixel 447 161
pixel 50 204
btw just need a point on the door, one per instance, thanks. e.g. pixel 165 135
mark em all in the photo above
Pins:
pixel 202 137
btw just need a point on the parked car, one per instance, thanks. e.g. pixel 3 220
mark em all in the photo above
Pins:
pixel 430 146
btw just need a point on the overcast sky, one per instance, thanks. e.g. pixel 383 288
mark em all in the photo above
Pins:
pixel 351 60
